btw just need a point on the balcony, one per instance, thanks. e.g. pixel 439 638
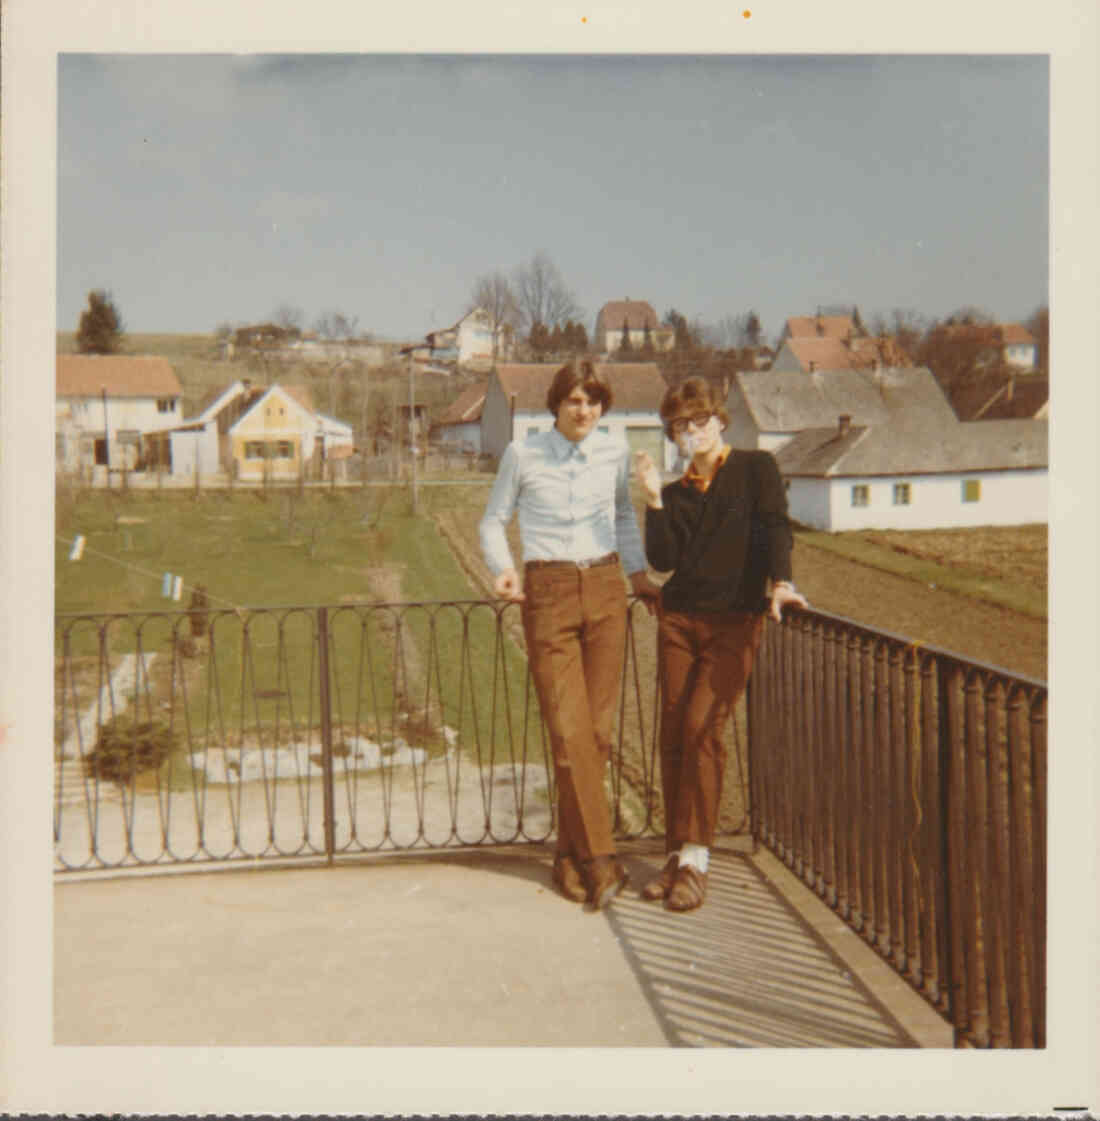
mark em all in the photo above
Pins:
pixel 880 880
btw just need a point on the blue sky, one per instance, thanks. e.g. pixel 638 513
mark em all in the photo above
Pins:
pixel 202 189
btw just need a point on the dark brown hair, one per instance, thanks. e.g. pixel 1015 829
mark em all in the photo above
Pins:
pixel 695 395
pixel 580 372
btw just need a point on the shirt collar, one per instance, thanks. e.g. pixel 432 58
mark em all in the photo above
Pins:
pixel 692 478
pixel 563 447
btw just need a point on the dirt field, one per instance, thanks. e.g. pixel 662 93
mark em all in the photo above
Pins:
pixel 983 631
pixel 966 625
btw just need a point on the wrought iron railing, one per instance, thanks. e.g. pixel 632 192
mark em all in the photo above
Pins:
pixel 275 733
pixel 905 784
pixel 907 787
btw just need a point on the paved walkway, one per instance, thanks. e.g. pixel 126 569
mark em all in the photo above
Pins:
pixel 470 948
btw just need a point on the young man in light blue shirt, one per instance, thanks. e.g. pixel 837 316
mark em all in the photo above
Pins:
pixel 578 530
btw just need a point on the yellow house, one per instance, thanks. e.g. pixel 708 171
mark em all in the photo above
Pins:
pixel 274 437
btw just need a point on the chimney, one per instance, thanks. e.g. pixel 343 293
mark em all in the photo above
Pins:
pixel 844 422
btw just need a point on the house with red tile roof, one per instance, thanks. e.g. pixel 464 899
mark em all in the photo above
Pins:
pixel 806 353
pixel 103 404
pixel 841 327
pixel 515 406
pixel 640 322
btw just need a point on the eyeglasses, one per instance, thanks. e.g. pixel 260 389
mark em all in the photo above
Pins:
pixel 681 424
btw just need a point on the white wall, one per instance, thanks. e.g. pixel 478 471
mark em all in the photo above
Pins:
pixel 457 435
pixel 189 446
pixel 1021 355
pixel 122 412
pixel 1007 498
pixel 808 502
pixel 616 423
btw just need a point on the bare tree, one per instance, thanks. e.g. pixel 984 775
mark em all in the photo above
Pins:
pixel 493 293
pixel 288 317
pixel 541 294
pixel 336 325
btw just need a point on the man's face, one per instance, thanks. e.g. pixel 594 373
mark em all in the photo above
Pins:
pixel 578 414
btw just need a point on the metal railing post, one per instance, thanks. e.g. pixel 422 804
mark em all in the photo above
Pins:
pixel 325 700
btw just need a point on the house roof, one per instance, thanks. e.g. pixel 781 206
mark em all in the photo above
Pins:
pixel 824 354
pixel 821 326
pixel 1006 397
pixel 915 444
pixel 789 402
pixel 637 314
pixel 635 386
pixel 292 393
pixel 214 400
pixel 466 407
pixel 87 375
pixel 300 393
pixel 1016 333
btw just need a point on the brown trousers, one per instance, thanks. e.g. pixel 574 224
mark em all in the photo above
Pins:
pixel 575 623
pixel 704 663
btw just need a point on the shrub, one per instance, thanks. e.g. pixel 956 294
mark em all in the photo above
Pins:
pixel 125 747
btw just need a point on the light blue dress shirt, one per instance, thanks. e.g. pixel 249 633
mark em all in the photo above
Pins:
pixel 573 502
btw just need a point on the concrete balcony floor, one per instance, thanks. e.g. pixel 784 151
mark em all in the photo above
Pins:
pixel 468 948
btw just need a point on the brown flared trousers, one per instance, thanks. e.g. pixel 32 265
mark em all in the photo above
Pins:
pixel 574 619
pixel 704 663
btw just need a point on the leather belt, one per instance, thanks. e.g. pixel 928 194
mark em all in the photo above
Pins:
pixel 595 562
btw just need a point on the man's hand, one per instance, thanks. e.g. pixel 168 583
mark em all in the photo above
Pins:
pixel 506 585
pixel 649 479
pixel 782 595
pixel 646 590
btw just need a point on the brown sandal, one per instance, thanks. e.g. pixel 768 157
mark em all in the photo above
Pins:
pixel 566 877
pixel 688 890
pixel 658 887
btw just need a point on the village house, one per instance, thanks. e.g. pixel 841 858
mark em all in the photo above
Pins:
pixel 833 342
pixel 1008 344
pixel 459 425
pixel 915 472
pixel 251 432
pixel 469 342
pixel 104 403
pixel 768 408
pixel 640 322
pixel 515 407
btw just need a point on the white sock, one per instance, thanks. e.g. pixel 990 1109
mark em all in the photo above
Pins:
pixel 695 855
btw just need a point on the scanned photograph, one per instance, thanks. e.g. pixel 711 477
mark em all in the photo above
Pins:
pixel 550 550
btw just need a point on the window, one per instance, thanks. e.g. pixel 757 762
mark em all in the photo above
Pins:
pixel 972 490
pixel 532 430
pixel 861 494
pixel 902 495
pixel 284 449
pixel 254 449
pixel 165 404
pixel 605 428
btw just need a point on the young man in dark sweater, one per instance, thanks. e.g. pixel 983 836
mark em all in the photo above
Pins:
pixel 722 530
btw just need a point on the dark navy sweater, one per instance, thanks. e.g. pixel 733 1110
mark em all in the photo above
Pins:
pixel 722 545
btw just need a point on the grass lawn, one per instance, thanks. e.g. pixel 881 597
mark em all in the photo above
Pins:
pixel 409 671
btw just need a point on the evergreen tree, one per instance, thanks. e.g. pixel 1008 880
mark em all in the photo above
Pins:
pixel 100 330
